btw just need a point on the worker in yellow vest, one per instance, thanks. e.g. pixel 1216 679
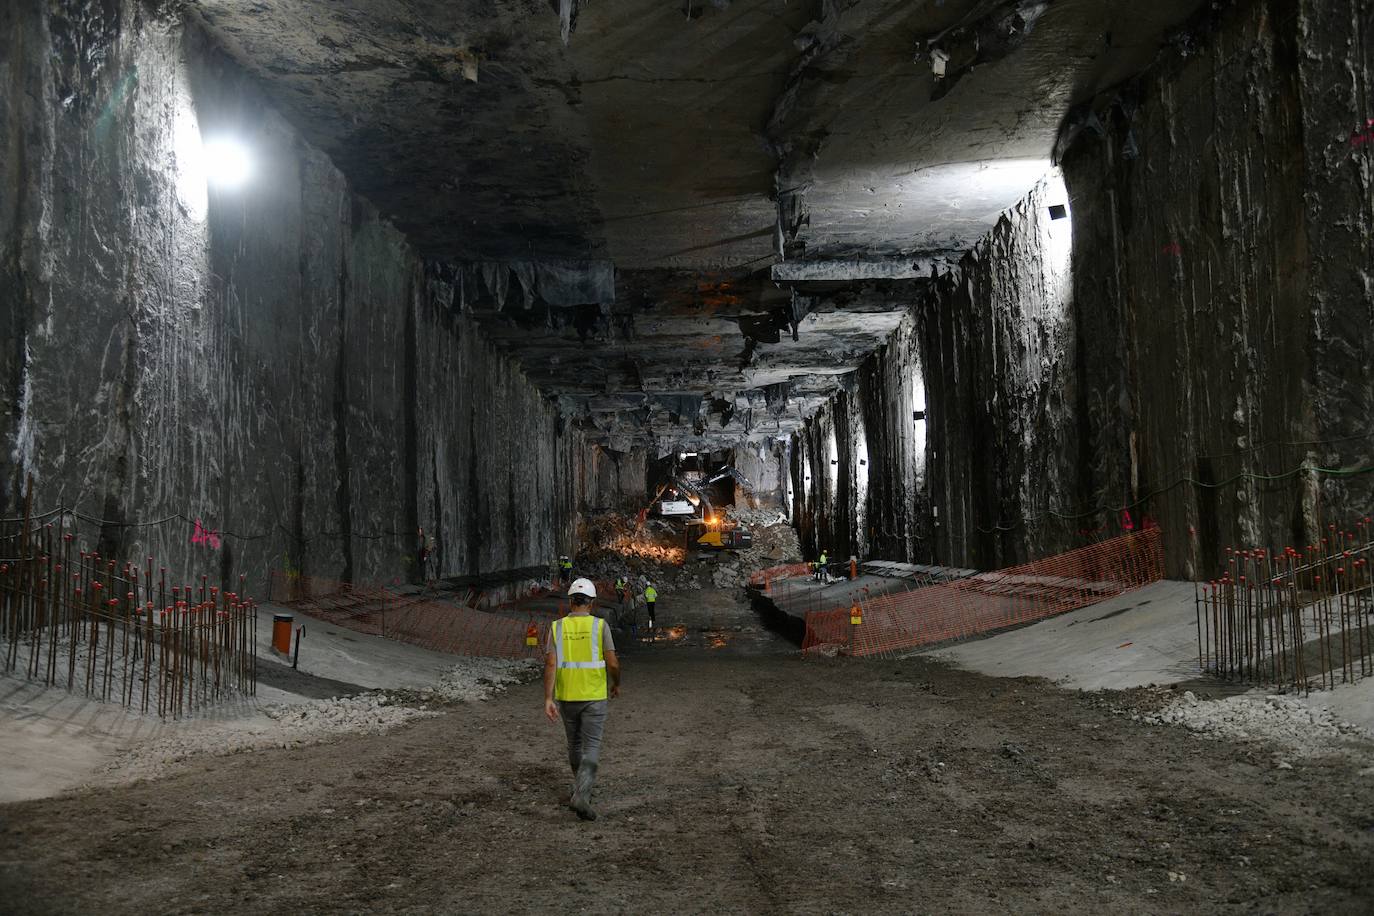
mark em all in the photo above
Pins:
pixel 579 661
pixel 650 597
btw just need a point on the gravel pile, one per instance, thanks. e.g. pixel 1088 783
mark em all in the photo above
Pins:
pixel 1285 720
pixel 368 713
pixel 480 678
pixel 296 724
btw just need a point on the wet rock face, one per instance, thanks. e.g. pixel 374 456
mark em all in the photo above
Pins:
pixel 1211 339
pixel 271 360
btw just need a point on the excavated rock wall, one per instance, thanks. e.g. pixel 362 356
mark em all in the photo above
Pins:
pixel 998 348
pixel 963 423
pixel 272 361
pixel 764 463
pixel 1209 340
pixel 1222 218
pixel 612 480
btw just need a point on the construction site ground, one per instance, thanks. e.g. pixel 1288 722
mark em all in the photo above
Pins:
pixel 736 777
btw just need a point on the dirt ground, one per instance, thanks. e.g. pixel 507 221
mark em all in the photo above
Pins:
pixel 736 778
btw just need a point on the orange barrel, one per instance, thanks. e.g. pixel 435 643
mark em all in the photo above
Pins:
pixel 281 632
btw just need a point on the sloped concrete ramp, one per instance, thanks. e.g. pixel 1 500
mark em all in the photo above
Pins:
pixel 1141 637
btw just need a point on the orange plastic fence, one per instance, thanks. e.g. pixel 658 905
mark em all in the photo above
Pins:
pixel 989 601
pixel 764 577
pixel 416 619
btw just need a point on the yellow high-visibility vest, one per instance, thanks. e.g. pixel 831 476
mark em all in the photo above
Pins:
pixel 651 594
pixel 580 659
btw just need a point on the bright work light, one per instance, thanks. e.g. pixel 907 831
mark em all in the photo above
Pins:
pixel 227 163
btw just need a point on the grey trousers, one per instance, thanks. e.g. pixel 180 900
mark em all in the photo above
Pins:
pixel 584 721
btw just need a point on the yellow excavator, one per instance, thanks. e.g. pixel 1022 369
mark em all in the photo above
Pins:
pixel 724 534
pixel 688 497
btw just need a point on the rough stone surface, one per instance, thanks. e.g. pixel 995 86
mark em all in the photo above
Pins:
pixel 1209 342
pixel 273 361
pixel 680 151
pixel 1222 235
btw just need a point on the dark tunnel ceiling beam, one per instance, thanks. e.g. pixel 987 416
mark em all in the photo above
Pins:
pixel 916 267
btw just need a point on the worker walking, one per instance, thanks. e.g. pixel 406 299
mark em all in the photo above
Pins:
pixel 650 596
pixel 564 569
pixel 581 673
pixel 820 568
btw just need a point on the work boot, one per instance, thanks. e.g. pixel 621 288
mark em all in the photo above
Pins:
pixel 582 791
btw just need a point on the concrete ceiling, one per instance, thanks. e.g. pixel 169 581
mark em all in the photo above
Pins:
pixel 689 142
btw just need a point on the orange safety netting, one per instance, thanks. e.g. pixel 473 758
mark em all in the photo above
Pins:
pixel 764 577
pixel 989 601
pixel 416 619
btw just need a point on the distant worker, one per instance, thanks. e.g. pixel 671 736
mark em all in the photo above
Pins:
pixel 625 615
pixel 564 569
pixel 650 596
pixel 578 657
pixel 820 568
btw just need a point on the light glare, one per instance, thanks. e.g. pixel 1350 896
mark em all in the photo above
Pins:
pixel 227 164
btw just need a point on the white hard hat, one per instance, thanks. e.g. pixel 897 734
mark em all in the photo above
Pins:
pixel 582 587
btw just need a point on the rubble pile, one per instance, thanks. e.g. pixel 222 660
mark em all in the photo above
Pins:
pixel 615 546
pixel 775 543
pixel 758 518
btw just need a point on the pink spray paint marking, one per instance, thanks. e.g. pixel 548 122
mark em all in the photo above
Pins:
pixel 1174 249
pixel 205 536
